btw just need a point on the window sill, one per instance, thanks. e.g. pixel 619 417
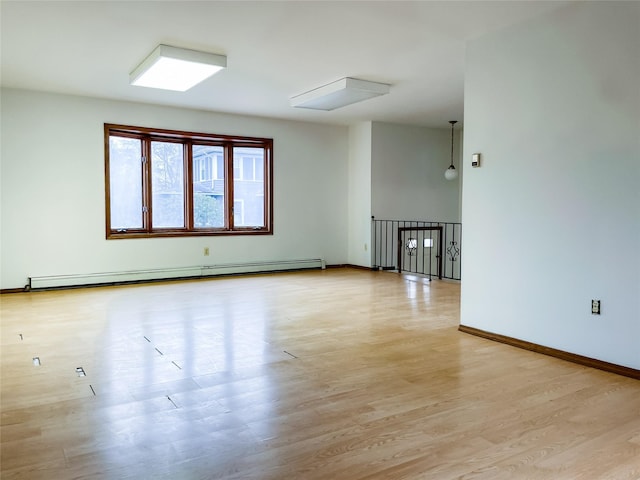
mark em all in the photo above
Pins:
pixel 191 233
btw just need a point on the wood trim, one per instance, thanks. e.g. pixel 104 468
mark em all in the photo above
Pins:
pixel 552 352
pixel 229 187
pixel 187 183
pixel 180 135
pixel 360 267
pixel 13 290
pixel 349 265
pixel 268 185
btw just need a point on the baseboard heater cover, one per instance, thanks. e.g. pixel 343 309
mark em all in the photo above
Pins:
pixel 107 278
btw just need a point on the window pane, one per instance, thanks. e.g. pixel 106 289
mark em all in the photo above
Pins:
pixel 125 182
pixel 167 185
pixel 259 166
pixel 248 189
pixel 237 168
pixel 208 193
pixel 247 168
pixel 219 166
pixel 238 212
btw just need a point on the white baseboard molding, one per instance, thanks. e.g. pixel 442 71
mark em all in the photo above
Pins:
pixel 107 278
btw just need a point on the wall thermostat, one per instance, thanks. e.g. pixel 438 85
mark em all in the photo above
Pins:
pixel 475 160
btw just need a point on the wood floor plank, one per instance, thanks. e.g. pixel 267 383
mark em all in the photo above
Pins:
pixel 336 374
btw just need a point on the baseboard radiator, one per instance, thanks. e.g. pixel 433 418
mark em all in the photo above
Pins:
pixel 110 278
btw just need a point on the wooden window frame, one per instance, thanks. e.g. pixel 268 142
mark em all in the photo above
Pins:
pixel 188 139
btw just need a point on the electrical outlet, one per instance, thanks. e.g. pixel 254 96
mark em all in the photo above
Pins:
pixel 206 251
pixel 595 307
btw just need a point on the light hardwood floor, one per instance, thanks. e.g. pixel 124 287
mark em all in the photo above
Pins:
pixel 337 374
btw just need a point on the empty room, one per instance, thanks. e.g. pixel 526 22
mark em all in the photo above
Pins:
pixel 320 240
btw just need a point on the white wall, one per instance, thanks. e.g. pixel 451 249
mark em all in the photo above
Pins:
pixel 408 165
pixel 396 172
pixel 360 194
pixel 552 218
pixel 53 213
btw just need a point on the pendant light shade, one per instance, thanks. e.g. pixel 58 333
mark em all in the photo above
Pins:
pixel 451 173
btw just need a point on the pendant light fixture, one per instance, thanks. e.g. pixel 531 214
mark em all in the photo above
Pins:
pixel 451 173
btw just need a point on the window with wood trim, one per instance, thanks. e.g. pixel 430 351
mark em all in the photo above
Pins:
pixel 164 183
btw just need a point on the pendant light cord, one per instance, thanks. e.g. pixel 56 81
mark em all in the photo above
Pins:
pixel 452 122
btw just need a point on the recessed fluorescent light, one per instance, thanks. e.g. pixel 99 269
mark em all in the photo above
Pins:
pixel 172 68
pixel 339 94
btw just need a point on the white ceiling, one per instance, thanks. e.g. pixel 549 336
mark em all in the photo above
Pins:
pixel 275 50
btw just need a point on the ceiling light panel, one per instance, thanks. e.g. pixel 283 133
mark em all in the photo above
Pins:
pixel 179 69
pixel 340 93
